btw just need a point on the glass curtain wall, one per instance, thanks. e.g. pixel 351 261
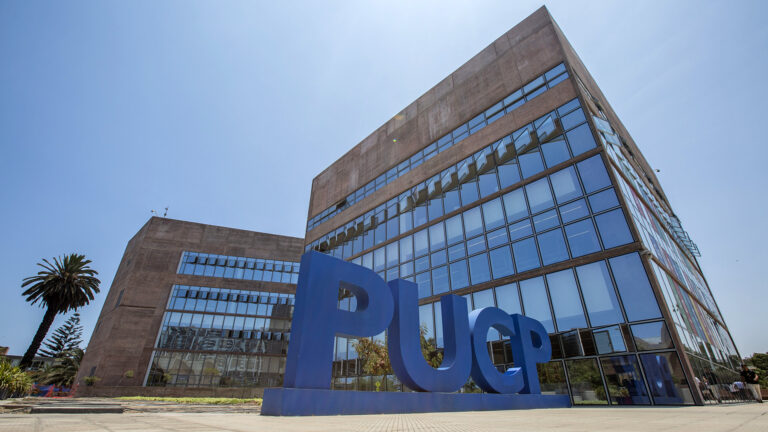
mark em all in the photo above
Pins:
pixel 481 227
pixel 214 337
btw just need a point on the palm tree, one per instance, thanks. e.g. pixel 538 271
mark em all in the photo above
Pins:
pixel 65 285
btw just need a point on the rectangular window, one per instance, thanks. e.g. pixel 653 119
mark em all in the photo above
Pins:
pixel 565 183
pixel 515 205
pixel 459 275
pixel 406 248
pixel 473 223
pixel 566 300
pixel 501 262
pixel 599 296
pixel 535 302
pixel 508 299
pixel 613 229
pixel 436 237
pixel 478 269
pixel 634 288
pixel 526 256
pixel 552 247
pixel 539 195
pixel 454 230
pixel 625 381
pixel 582 238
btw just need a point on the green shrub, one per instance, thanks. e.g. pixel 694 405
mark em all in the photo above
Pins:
pixel 13 381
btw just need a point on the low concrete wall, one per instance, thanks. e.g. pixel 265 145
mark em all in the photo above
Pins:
pixel 114 391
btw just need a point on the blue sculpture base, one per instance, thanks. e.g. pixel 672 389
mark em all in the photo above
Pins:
pixel 306 402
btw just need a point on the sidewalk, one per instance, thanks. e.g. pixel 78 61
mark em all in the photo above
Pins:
pixel 746 417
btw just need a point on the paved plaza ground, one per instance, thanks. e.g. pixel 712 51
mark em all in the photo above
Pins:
pixel 732 418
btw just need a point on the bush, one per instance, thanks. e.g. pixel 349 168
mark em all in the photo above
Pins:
pixel 13 381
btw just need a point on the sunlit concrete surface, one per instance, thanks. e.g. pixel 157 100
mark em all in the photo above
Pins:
pixel 746 417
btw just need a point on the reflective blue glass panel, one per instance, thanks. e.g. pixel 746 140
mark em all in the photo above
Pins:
pixel 566 301
pixel 536 303
pixel 599 296
pixel 634 288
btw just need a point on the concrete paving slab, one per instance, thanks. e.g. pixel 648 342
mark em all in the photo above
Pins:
pixel 722 418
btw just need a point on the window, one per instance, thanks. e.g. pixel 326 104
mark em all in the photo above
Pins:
pixel 603 200
pixel 539 195
pixel 508 299
pixel 509 174
pixel 520 229
pixel 473 224
pixel 440 280
pixel 425 320
pixel 651 336
pixel 555 151
pixel 574 118
pixel 608 340
pixel 545 221
pixel 580 139
pixel 392 258
pixel 666 379
pixel 634 288
pixel 599 296
pixel 421 243
pixel 459 275
pixel 454 229
pixel 422 280
pixel 582 238
pixel 514 204
pixel 552 247
pixel 566 301
pixel 565 183
pixel 406 248
pixel 478 269
pixel 586 382
pixel 436 237
pixel 497 237
pixel 625 381
pixel 501 262
pixel 593 174
pixel 613 229
pixel 488 184
pixel 572 211
pixel 536 303
pixel 526 257
pixel 493 215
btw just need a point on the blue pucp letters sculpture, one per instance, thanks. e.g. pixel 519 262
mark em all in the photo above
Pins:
pixel 317 320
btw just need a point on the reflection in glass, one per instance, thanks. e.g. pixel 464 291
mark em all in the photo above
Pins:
pixel 608 340
pixel 536 303
pixel 634 288
pixel 565 300
pixel 508 299
pixel 586 383
pixel 552 378
pixel 624 380
pixel 666 379
pixel 651 336
pixel 599 296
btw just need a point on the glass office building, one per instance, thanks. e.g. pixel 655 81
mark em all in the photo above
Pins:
pixel 512 183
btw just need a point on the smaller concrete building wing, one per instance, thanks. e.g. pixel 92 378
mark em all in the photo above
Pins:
pixel 195 309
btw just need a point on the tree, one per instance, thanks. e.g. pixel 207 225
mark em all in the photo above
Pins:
pixel 65 338
pixel 65 285
pixel 63 371
pixel 374 357
pixel 760 363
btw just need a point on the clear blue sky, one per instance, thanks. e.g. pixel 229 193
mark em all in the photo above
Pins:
pixel 226 111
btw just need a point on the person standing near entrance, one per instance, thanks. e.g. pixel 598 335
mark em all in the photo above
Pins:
pixel 750 379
